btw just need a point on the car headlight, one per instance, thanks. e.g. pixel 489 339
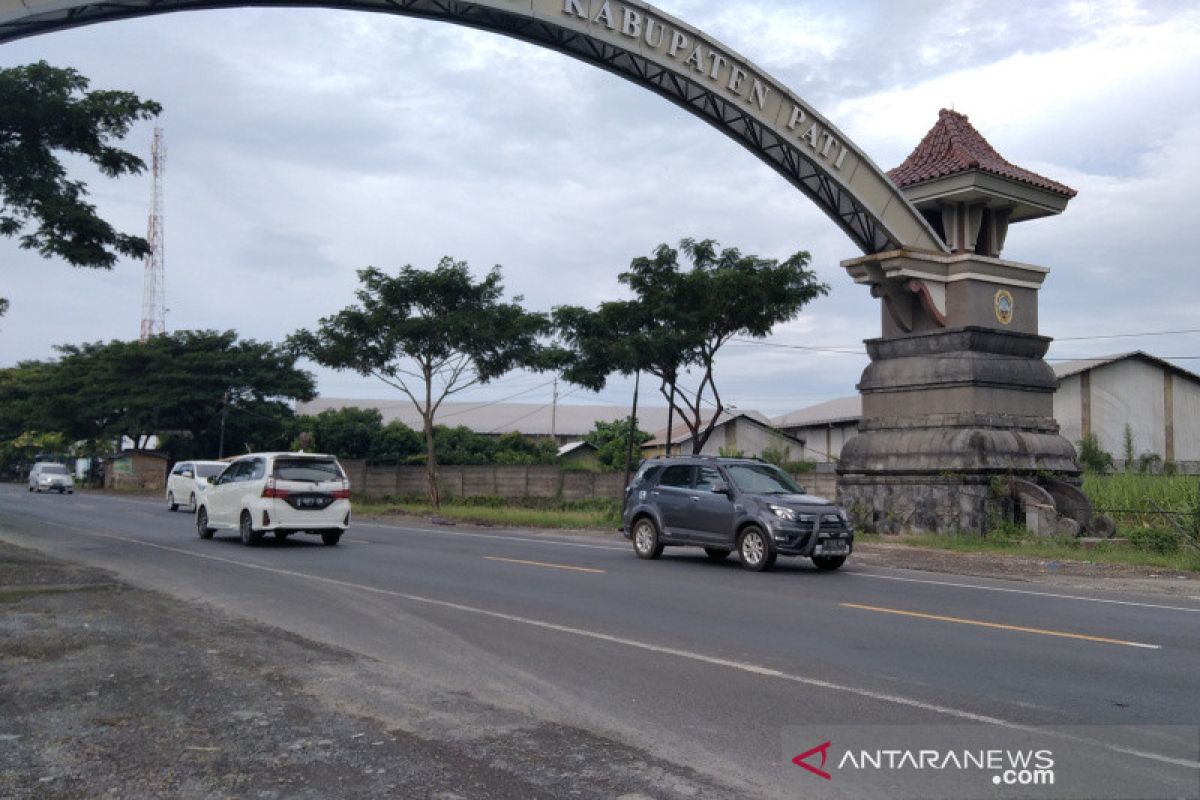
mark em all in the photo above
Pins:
pixel 783 512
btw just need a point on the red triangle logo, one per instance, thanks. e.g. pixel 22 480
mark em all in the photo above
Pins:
pixel 801 760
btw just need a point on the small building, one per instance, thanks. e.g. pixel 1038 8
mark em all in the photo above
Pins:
pixel 136 469
pixel 824 428
pixel 745 433
pixel 579 455
pixel 1158 401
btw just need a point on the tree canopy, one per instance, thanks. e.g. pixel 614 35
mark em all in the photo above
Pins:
pixel 173 386
pixel 680 318
pixel 47 112
pixel 611 440
pixel 428 334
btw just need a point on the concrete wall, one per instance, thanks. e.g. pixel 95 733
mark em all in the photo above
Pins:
pixel 1068 408
pixel 514 482
pixel 1186 418
pixel 485 481
pixel 823 443
pixel 1133 392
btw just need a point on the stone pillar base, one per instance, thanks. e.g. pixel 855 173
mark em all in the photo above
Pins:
pixel 935 504
pixel 951 419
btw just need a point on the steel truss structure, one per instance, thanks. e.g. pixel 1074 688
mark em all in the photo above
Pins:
pixel 858 221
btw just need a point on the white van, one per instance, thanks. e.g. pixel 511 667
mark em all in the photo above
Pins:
pixel 50 477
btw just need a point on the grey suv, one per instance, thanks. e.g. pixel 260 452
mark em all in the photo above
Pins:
pixel 727 504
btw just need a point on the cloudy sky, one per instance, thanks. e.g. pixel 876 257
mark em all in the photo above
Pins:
pixel 305 144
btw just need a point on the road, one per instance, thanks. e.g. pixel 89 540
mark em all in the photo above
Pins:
pixel 702 664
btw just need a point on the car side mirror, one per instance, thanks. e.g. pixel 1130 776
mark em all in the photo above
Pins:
pixel 720 487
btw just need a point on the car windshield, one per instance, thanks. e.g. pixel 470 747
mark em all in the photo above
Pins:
pixel 54 469
pixel 762 479
pixel 209 470
pixel 307 469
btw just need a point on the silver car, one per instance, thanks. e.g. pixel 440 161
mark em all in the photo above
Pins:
pixel 50 477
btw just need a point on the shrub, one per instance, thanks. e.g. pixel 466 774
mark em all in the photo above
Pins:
pixel 1155 540
pixel 1093 457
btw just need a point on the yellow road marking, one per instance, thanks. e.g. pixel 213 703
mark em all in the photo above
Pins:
pixel 1018 628
pixel 543 564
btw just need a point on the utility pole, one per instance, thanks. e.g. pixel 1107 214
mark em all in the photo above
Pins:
pixel 554 414
pixel 154 296
pixel 670 418
pixel 637 381
pixel 224 412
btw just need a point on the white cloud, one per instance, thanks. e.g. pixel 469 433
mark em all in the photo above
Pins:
pixel 312 143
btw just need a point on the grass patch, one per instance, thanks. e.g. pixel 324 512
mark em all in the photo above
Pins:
pixel 533 512
pixel 1131 553
pixel 1136 499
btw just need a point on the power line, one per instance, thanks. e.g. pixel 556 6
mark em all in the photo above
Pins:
pixel 851 349
pixel 493 402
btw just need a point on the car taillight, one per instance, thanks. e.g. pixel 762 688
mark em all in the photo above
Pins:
pixel 341 494
pixel 270 491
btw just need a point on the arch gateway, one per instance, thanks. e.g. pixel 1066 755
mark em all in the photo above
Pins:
pixel 957 394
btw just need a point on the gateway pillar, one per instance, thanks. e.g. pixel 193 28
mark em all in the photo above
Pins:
pixel 958 424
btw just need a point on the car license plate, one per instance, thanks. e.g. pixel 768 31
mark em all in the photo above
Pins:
pixel 310 502
pixel 832 548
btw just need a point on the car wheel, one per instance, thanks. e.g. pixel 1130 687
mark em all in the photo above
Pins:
pixel 250 537
pixel 192 503
pixel 202 524
pixel 828 563
pixel 645 539
pixel 332 537
pixel 755 548
pixel 171 504
pixel 717 553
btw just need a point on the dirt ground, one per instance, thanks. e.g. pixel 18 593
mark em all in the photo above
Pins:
pixel 1064 574
pixel 111 691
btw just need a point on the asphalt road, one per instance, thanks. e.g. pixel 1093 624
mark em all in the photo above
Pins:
pixel 702 664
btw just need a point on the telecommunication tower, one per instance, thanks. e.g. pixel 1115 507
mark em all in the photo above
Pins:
pixel 154 297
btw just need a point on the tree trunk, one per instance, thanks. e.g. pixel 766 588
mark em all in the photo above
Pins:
pixel 435 498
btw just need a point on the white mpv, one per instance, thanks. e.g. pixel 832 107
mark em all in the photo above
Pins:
pixel 188 480
pixel 283 493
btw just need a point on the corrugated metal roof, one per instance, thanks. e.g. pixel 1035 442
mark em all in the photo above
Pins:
pixel 680 432
pixel 840 409
pixel 532 419
pixel 1065 369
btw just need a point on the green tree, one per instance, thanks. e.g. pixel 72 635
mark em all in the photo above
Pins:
pixel 178 387
pixel 345 432
pixel 428 334
pixel 396 443
pixel 517 448
pixel 680 318
pixel 47 112
pixel 611 440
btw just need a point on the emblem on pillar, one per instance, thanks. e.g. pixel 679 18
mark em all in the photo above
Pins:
pixel 1004 306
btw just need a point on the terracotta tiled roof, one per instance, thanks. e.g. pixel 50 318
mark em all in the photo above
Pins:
pixel 952 146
